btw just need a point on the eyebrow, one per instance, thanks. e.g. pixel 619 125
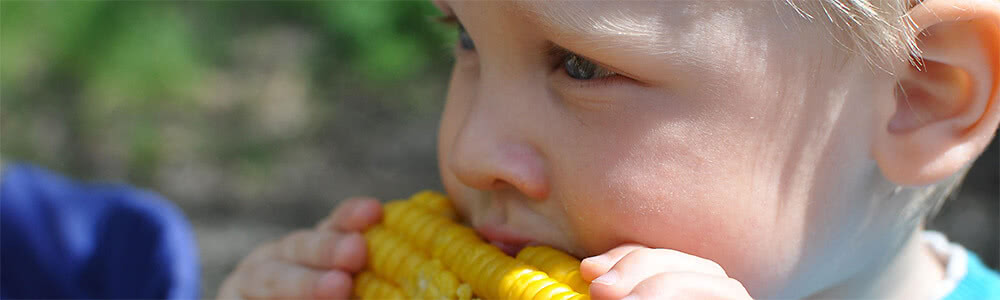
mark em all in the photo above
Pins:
pixel 579 20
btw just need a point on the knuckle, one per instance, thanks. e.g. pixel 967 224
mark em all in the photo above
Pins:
pixel 668 253
pixel 312 248
pixel 702 264
pixel 664 286
pixel 642 255
pixel 718 268
pixel 624 249
pixel 293 245
pixel 648 252
pixel 711 265
pixel 326 252
pixel 733 284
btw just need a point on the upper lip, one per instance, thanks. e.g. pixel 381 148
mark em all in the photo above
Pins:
pixel 501 234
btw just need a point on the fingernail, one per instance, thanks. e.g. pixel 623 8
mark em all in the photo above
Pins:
pixel 599 260
pixel 609 278
pixel 631 297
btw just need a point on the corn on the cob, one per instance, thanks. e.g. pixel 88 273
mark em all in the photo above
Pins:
pixel 421 250
pixel 557 264
pixel 368 286
pixel 435 202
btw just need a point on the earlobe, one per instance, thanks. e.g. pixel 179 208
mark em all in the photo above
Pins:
pixel 947 107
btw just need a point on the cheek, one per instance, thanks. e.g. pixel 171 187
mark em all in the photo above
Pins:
pixel 663 193
pixel 692 186
pixel 690 208
pixel 455 111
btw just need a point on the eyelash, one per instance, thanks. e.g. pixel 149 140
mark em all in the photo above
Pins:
pixel 558 54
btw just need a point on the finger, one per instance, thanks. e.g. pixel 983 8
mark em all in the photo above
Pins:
pixel 642 263
pixel 689 286
pixel 594 266
pixel 325 249
pixel 357 213
pixel 229 290
pixel 280 280
pixel 343 208
pixel 230 287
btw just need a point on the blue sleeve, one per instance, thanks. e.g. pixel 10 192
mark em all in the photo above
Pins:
pixel 62 239
pixel 980 282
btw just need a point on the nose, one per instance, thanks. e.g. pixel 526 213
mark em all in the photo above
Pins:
pixel 493 150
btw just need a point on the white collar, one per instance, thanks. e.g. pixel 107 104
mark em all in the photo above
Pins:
pixel 952 255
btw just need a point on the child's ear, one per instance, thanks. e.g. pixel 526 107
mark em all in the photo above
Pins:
pixel 948 109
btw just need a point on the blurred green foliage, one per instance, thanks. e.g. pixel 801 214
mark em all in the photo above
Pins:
pixel 228 108
pixel 103 78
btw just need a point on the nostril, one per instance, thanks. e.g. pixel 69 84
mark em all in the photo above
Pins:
pixel 494 164
pixel 500 185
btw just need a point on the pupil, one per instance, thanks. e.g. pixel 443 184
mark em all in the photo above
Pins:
pixel 464 40
pixel 580 68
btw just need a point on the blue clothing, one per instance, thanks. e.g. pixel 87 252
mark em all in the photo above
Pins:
pixel 63 239
pixel 979 282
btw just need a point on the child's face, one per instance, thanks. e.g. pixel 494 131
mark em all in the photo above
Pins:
pixel 733 131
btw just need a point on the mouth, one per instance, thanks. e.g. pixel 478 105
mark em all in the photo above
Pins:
pixel 505 239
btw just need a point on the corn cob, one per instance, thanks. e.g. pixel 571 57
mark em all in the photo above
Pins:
pixel 420 252
pixel 368 286
pixel 560 266
pixel 435 202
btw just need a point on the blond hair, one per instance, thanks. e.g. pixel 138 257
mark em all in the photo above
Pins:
pixel 879 31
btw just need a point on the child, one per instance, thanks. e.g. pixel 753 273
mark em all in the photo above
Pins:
pixel 702 149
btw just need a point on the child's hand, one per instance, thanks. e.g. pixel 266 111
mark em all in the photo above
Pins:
pixel 646 273
pixel 309 263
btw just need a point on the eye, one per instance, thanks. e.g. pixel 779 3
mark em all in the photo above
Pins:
pixel 581 68
pixel 464 40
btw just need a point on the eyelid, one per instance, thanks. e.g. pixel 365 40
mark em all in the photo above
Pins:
pixel 443 6
pixel 447 20
pixel 453 21
pixel 558 53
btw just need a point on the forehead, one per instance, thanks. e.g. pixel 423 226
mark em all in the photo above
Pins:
pixel 646 25
pixel 621 18
pixel 668 38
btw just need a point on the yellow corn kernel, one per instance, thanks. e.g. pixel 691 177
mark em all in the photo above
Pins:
pixel 435 202
pixel 421 250
pixel 418 276
pixel 369 286
pixel 414 222
pixel 560 266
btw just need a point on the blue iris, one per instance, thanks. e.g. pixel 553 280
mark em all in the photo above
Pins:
pixel 580 68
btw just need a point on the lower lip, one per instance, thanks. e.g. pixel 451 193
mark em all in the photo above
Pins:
pixel 504 240
pixel 511 250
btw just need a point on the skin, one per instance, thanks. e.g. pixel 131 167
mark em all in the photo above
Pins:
pixel 733 158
